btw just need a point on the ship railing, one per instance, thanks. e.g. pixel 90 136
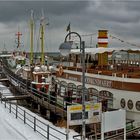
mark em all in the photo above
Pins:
pixel 24 86
pixel 77 137
pixel 129 72
pixel 47 131
pixel 114 135
pixel 57 100
pixel 128 132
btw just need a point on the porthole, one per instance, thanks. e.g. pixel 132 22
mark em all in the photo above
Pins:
pixel 138 105
pixel 122 102
pixel 130 104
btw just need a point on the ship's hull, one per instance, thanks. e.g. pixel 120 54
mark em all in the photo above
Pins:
pixel 124 92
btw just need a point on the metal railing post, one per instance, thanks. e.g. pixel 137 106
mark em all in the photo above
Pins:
pixel 24 116
pixel 34 123
pixel 1 97
pixel 48 132
pixel 5 101
pixel 10 108
pixel 16 110
pixel 67 136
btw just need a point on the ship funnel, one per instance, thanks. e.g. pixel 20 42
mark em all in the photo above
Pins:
pixel 103 38
pixel 103 42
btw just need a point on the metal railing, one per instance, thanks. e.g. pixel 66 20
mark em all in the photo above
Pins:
pixel 42 128
pixel 24 86
pixel 117 136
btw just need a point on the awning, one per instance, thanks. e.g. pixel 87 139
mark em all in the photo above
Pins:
pixel 102 50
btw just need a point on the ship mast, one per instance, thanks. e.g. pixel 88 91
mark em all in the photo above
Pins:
pixel 42 38
pixel 18 34
pixel 31 37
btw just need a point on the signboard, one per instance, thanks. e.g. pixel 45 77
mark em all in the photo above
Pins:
pixel 61 101
pixel 113 120
pixel 92 114
pixel 91 80
pixel 98 82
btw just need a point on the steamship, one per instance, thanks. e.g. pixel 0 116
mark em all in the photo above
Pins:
pixel 114 82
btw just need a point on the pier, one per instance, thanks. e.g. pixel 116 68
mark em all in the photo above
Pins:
pixel 44 103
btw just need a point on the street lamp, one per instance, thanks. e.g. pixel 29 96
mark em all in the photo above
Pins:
pixel 65 49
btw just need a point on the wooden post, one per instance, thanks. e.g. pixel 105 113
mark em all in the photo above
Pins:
pixel 102 127
pixel 24 116
pixel 95 130
pixel 34 123
pixel 67 130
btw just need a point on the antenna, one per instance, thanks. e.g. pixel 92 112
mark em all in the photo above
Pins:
pixel 42 28
pixel 32 14
pixel 42 36
pixel 18 34
pixel 31 36
pixel 42 17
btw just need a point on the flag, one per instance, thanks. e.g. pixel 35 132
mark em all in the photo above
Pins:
pixel 68 28
pixel 96 45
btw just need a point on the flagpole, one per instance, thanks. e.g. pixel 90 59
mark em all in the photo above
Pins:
pixel 69 32
pixel 69 35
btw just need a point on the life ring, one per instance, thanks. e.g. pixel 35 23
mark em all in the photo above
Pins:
pixel 60 70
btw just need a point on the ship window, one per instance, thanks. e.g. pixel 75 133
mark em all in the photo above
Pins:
pixel 138 105
pixel 78 116
pixel 106 95
pixel 130 104
pixel 93 95
pixel 123 103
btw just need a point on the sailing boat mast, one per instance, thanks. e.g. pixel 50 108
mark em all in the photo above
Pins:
pixel 42 26
pixel 31 37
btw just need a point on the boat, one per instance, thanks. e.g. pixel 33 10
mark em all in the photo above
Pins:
pixel 37 73
pixel 18 58
pixel 114 82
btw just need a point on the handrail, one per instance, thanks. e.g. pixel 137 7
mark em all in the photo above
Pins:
pixel 33 121
pixel 122 133
pixel 33 90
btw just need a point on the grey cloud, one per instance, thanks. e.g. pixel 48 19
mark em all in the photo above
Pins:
pixel 11 11
pixel 119 17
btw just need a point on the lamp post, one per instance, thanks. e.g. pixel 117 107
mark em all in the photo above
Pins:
pixel 65 49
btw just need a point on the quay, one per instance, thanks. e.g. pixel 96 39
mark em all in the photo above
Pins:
pixel 46 104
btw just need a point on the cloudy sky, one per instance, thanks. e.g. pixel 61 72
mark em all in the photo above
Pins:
pixel 120 17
